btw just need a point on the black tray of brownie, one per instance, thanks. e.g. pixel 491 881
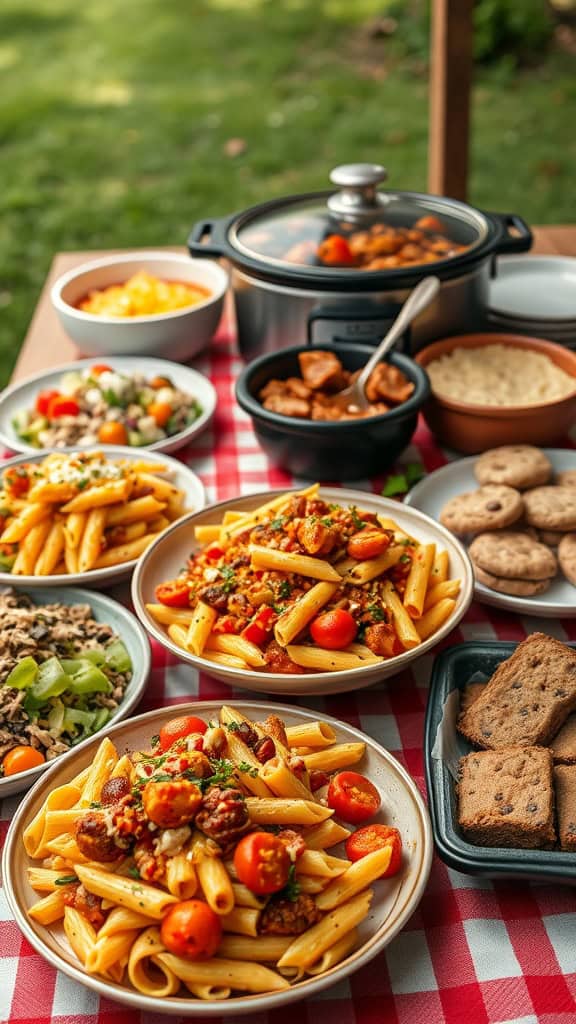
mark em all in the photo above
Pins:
pixel 453 671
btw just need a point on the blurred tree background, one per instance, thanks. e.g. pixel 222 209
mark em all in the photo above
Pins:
pixel 122 125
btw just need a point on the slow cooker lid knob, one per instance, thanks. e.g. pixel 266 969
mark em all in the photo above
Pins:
pixel 359 195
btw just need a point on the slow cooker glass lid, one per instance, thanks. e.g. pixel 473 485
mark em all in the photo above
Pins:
pixel 362 228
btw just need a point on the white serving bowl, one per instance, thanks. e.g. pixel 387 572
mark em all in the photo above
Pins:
pixel 178 335
pixel 164 559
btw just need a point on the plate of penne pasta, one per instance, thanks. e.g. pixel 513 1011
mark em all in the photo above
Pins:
pixel 210 863
pixel 322 590
pixel 86 515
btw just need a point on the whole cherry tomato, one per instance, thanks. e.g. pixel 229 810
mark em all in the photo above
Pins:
pixel 16 481
pixel 335 250
pixel 161 411
pixel 161 382
pixel 43 401
pixel 257 631
pixel 374 837
pixel 262 863
pixel 174 594
pixel 19 759
pixel 177 728
pixel 59 405
pixel 353 797
pixel 191 929
pixel 113 432
pixel 334 629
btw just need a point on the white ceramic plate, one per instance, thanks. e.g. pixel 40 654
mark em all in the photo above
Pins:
pixel 535 287
pixel 176 472
pixel 23 396
pixel 164 559
pixel 436 490
pixel 104 609
pixel 394 901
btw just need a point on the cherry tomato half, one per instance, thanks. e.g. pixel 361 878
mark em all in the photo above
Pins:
pixel 374 837
pixel 113 432
pixel 43 401
pixel 334 629
pixel 177 728
pixel 174 594
pixel 19 759
pixel 191 929
pixel 353 797
pixel 62 406
pixel 99 368
pixel 161 411
pixel 262 863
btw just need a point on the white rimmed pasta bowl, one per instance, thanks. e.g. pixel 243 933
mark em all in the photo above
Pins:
pixel 175 472
pixel 126 625
pixel 394 899
pixel 22 396
pixel 164 559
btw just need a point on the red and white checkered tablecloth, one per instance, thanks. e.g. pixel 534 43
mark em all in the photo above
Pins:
pixel 474 952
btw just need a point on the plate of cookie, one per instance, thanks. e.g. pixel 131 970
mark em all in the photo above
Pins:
pixel 515 508
pixel 500 757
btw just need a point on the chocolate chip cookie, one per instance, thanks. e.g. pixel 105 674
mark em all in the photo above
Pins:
pixel 489 508
pixel 513 555
pixel 517 588
pixel 567 478
pixel 567 556
pixel 551 508
pixel 516 465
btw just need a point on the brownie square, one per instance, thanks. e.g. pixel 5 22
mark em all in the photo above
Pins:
pixel 528 698
pixel 506 797
pixel 565 784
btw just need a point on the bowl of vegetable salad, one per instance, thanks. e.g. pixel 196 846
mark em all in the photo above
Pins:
pixel 69 667
pixel 140 403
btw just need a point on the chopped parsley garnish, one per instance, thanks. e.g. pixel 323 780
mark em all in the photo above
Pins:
pixel 223 770
pixel 277 523
pixel 358 523
pixel 291 890
pixel 155 740
pixel 229 576
pixel 233 726
pixel 133 872
pixel 247 769
pixel 326 521
pixel 284 590
pixel 96 804
pixel 376 613
pixel 82 483
pixel 404 559
pixel 65 880
pixel 279 608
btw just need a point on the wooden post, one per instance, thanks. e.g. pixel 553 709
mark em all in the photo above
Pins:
pixel 451 60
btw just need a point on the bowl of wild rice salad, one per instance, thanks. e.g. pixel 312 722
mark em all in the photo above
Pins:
pixel 68 668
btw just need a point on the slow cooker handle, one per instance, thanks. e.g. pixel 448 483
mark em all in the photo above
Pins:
pixel 519 242
pixel 207 238
pixel 379 317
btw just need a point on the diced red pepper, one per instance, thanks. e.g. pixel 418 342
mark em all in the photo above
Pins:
pixel 257 631
pixel 62 406
pixel 43 401
pixel 214 550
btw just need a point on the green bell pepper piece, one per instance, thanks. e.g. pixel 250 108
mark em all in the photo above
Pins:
pixel 51 680
pixel 23 674
pixel 88 679
pixel 117 657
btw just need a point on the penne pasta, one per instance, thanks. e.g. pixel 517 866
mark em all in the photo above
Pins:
pixel 286 561
pixel 310 734
pixel 338 756
pixel 277 811
pixel 356 878
pixel 306 949
pixel 417 581
pixel 233 974
pixel 407 634
pixel 200 627
pixel 435 617
pixel 300 614
pixel 126 892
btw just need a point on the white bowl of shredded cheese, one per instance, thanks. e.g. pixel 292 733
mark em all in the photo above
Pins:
pixel 493 389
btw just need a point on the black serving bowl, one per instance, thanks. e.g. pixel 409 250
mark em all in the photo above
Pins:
pixel 318 450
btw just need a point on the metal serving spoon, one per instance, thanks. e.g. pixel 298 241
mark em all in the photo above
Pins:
pixel 354 397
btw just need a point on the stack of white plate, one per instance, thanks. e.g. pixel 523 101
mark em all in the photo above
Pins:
pixel 535 295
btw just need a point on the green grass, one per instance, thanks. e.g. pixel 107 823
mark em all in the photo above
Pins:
pixel 114 119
